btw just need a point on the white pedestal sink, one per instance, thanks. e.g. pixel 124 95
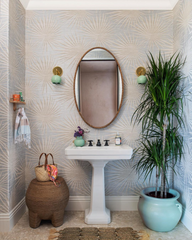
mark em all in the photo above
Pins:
pixel 98 157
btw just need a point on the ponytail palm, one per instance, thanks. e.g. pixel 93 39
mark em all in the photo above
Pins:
pixel 160 113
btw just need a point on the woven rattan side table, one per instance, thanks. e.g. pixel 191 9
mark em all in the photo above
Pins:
pixel 45 201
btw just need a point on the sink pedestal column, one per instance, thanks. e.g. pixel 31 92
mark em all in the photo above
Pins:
pixel 98 213
pixel 98 157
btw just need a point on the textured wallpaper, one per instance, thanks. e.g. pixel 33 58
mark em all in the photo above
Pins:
pixel 182 25
pixel 4 104
pixel 12 77
pixel 60 38
pixel 16 84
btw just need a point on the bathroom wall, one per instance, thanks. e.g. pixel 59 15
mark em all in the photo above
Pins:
pixel 4 104
pixel 182 25
pixel 12 76
pixel 60 38
pixel 16 85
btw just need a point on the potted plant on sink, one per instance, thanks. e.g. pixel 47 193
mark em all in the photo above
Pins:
pixel 79 141
pixel 160 144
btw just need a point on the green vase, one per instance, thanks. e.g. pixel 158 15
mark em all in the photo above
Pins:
pixel 79 141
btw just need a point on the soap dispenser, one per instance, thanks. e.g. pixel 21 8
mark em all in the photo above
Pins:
pixel 117 139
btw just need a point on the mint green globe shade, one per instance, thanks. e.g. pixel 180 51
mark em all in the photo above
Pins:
pixel 56 79
pixel 141 79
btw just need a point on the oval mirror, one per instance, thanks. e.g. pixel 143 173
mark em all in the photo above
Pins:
pixel 98 87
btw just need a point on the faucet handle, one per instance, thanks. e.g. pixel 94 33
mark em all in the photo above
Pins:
pixel 90 143
pixel 106 142
pixel 98 143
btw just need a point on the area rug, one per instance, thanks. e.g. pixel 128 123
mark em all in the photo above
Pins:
pixel 91 233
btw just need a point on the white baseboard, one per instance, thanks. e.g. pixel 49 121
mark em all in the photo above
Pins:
pixel 187 219
pixel 114 203
pixel 8 220
pixel 119 203
pixel 122 203
pixel 80 203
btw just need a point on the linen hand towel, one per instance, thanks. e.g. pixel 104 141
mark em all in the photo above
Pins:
pixel 22 128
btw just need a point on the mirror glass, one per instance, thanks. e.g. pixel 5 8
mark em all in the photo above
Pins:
pixel 98 87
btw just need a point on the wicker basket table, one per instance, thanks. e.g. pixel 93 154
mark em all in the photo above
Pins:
pixel 45 201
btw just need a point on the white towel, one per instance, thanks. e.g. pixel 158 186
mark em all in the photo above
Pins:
pixel 22 128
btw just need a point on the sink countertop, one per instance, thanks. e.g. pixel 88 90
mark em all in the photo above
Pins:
pixel 111 152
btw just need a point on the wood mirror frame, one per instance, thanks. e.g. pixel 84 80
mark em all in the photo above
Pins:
pixel 118 110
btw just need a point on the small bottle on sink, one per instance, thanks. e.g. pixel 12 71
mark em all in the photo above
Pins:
pixel 117 139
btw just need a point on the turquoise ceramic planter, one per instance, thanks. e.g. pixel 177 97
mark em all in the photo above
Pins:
pixel 141 79
pixel 56 79
pixel 160 215
pixel 79 141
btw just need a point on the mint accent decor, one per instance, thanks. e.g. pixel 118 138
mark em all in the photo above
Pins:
pixel 56 79
pixel 79 141
pixel 159 214
pixel 141 79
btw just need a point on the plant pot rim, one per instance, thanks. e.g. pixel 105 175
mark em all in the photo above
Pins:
pixel 151 189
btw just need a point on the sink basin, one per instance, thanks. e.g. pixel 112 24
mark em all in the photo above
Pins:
pixel 111 152
pixel 98 157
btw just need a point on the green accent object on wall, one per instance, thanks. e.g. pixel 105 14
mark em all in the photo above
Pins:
pixel 141 79
pixel 56 79
pixel 79 141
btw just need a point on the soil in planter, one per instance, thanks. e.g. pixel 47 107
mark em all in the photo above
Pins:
pixel 152 194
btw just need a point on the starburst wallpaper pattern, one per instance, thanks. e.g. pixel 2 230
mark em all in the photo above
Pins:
pixel 16 84
pixel 12 79
pixel 54 38
pixel 57 38
pixel 4 76
pixel 182 26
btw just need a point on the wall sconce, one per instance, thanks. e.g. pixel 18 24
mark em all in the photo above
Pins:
pixel 57 71
pixel 140 71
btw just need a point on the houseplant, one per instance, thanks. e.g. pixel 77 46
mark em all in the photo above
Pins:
pixel 160 144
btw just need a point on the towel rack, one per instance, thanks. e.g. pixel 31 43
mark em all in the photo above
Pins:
pixel 15 103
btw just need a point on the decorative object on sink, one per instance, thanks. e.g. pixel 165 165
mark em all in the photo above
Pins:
pixel 98 87
pixel 117 139
pixel 141 71
pixel 56 79
pixel 160 113
pixel 79 141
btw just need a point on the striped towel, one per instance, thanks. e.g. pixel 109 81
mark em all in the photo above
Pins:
pixel 22 128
